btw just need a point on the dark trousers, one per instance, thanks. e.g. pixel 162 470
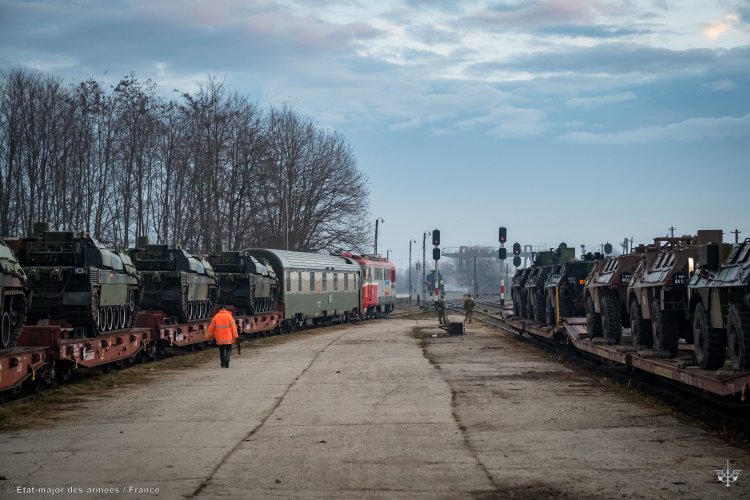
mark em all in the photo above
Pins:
pixel 224 352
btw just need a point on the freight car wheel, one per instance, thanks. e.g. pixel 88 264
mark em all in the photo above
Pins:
pixel 663 329
pixel 710 343
pixel 738 336
pixel 5 330
pixel 640 329
pixel 593 319
pixel 611 320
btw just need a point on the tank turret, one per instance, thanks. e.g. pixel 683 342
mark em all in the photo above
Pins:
pixel 174 281
pixel 14 297
pixel 75 278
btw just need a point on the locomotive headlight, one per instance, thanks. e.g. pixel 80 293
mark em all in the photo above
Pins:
pixel 79 270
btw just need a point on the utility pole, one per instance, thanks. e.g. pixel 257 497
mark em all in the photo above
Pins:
pixel 476 287
pixel 424 268
pixel 379 219
pixel 410 242
pixel 736 234
pixel 671 230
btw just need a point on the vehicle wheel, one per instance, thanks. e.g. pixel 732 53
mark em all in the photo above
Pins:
pixel 593 319
pixel 95 312
pixel 551 317
pixel 640 329
pixel 12 310
pixel 664 329
pixel 110 315
pixel 710 343
pixel 611 320
pixel 539 309
pixel 5 330
pixel 738 336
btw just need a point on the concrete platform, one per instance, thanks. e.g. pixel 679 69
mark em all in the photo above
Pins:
pixel 382 409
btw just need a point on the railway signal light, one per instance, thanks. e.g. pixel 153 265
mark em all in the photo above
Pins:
pixel 436 254
pixel 608 248
pixel 503 235
pixel 516 261
pixel 436 237
pixel 502 253
pixel 516 249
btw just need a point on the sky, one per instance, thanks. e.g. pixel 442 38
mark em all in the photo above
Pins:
pixel 582 121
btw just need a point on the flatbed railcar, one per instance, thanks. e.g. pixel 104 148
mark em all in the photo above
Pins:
pixel 726 383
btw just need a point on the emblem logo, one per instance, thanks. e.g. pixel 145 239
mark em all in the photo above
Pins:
pixel 727 476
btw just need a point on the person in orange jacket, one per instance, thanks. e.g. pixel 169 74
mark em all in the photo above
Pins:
pixel 224 330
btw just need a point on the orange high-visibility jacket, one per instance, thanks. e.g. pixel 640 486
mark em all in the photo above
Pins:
pixel 223 328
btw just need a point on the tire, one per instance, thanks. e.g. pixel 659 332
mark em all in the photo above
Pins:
pixel 611 319
pixel 640 329
pixel 551 317
pixel 593 319
pixel 738 336
pixel 710 343
pixel 539 309
pixel 664 329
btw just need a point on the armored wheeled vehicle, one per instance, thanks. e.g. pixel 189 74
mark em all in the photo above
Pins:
pixel 658 292
pixel 74 277
pixel 564 289
pixel 181 284
pixel 518 291
pixel 720 305
pixel 14 297
pixel 246 282
pixel 605 295
pixel 545 264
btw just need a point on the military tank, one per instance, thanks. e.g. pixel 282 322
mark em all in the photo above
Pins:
pixel 75 278
pixel 14 297
pixel 181 284
pixel 246 282
pixel 720 305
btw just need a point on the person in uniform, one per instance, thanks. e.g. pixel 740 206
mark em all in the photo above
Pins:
pixel 469 304
pixel 442 319
pixel 224 329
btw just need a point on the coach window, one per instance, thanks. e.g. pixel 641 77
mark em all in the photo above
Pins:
pixel 346 281
pixel 288 281
pixel 325 281
pixel 335 281
pixel 312 281
pixel 299 281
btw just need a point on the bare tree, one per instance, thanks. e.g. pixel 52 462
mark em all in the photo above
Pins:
pixel 210 167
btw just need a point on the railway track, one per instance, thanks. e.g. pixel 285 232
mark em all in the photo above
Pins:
pixel 729 419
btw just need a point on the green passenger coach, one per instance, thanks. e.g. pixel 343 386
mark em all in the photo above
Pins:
pixel 318 287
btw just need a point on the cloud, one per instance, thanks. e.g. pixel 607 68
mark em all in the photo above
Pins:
pixel 588 102
pixel 715 29
pixel 693 129
pixel 721 85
